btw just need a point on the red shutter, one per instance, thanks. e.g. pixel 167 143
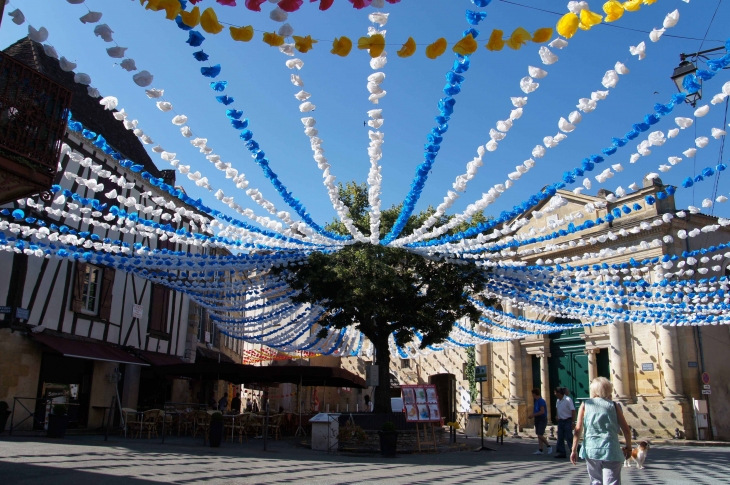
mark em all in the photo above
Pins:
pixel 107 284
pixel 77 303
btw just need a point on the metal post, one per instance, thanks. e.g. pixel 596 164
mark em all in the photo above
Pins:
pixel 12 413
pixel 164 418
pixel 481 417
pixel 266 424
pixel 108 419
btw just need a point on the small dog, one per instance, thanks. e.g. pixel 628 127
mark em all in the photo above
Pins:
pixel 638 455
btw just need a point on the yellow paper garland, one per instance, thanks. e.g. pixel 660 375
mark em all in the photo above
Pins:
pixel 466 46
pixel 242 34
pixel 614 11
pixel 209 21
pixel 408 49
pixel 273 39
pixel 303 44
pixel 375 44
pixel 437 48
pixel 341 46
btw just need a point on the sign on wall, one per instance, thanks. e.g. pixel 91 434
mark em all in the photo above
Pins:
pixel 421 403
pixel 647 367
pixel 137 311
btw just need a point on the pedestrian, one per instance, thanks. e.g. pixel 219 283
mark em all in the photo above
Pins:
pixel 255 407
pixel 599 420
pixel 223 403
pixel 248 405
pixel 539 412
pixel 368 404
pixel 566 391
pixel 565 411
pixel 236 404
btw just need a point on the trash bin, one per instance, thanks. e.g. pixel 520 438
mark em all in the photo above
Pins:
pixel 325 430
pixel 473 425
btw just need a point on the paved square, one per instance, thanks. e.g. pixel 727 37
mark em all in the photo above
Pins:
pixel 79 460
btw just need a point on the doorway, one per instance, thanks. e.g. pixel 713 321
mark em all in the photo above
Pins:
pixel 66 380
pixel 568 364
pixel 446 391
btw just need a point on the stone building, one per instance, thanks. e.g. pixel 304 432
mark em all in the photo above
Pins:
pixel 656 370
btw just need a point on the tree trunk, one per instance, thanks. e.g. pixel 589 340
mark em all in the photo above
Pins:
pixel 381 401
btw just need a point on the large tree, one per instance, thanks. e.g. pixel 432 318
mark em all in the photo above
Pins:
pixel 385 291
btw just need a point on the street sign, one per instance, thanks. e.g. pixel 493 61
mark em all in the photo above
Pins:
pixel 647 367
pixel 705 378
pixel 22 313
pixel 480 373
pixel 705 386
pixel 691 364
pixel 6 309
pixel 706 391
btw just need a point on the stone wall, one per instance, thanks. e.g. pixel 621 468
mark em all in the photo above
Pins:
pixel 407 441
pixel 20 366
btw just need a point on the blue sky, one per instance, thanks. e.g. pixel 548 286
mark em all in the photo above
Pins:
pixel 259 81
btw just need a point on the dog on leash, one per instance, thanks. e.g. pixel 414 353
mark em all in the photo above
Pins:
pixel 638 455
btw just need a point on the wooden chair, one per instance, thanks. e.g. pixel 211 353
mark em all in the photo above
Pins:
pixel 131 421
pixel 275 425
pixel 229 425
pixel 255 424
pixel 202 424
pixel 242 425
pixel 185 422
pixel 150 421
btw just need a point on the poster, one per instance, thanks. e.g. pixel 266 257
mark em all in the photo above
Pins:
pixel 408 396
pixel 421 403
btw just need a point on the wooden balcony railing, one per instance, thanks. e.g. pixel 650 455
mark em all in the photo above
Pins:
pixel 33 113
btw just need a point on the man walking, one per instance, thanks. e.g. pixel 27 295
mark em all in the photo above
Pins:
pixel 566 417
pixel 540 414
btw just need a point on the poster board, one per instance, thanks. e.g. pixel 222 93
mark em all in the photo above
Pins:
pixel 421 403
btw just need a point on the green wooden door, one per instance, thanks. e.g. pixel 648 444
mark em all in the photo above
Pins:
pixel 568 365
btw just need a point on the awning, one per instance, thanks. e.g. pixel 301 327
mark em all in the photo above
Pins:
pixel 83 349
pixel 209 355
pixel 246 374
pixel 158 359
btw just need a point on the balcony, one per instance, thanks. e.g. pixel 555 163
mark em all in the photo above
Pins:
pixel 33 112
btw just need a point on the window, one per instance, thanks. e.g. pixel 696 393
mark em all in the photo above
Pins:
pixel 405 363
pixel 90 290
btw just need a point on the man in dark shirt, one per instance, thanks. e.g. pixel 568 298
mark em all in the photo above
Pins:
pixel 236 404
pixel 540 414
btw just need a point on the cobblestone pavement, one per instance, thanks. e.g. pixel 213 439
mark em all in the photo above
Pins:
pixel 79 460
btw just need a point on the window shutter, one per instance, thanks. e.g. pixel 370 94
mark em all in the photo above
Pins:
pixel 78 289
pixel 159 313
pixel 105 300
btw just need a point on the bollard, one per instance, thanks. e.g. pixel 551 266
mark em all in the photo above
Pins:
pixel 552 433
pixel 634 434
pixel 516 434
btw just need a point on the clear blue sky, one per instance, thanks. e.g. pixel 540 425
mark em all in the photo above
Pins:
pixel 259 81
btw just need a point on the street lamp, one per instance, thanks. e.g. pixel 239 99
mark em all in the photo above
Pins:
pixel 687 68
pixel 684 69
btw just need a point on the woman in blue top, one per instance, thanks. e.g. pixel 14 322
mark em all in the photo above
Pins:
pixel 599 420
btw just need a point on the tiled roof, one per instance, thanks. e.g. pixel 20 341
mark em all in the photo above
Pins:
pixel 84 108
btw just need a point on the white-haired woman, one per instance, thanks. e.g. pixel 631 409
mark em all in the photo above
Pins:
pixel 599 420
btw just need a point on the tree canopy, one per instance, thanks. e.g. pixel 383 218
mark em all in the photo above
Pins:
pixel 385 291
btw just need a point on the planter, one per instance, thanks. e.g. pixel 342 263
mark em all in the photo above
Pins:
pixel 388 443
pixel 57 425
pixel 216 434
pixel 4 420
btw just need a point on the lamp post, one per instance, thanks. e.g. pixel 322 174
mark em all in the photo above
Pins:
pixel 688 67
